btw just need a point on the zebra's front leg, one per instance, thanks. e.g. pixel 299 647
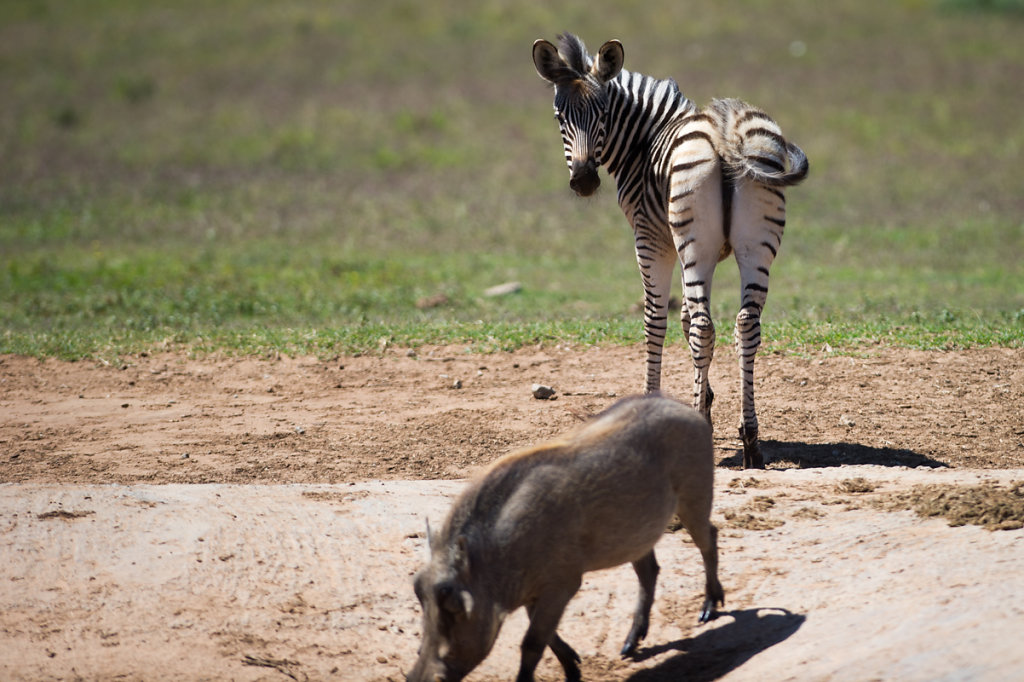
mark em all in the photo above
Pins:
pixel 656 272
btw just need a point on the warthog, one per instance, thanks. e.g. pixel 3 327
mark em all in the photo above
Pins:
pixel 525 531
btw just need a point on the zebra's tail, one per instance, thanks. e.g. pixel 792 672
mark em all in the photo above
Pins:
pixel 796 161
pixel 751 145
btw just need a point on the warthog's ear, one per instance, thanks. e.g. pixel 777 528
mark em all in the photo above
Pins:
pixel 609 61
pixel 460 557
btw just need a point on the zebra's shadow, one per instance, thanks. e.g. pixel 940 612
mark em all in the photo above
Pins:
pixel 818 455
pixel 722 649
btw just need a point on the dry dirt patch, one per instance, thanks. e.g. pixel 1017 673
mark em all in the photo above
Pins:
pixel 293 558
pixel 170 418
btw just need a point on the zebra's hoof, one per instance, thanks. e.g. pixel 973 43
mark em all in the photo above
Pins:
pixel 752 458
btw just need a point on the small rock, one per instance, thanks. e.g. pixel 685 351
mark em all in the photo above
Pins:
pixel 845 420
pixel 457 383
pixel 503 289
pixel 542 392
pixel 435 301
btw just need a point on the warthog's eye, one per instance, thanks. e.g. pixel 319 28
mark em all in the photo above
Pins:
pixel 453 600
pixel 446 598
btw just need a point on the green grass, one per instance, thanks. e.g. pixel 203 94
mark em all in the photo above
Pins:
pixel 259 177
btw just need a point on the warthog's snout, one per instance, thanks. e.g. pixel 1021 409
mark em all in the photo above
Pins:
pixel 434 671
pixel 583 178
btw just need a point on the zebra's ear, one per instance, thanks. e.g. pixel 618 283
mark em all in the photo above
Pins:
pixel 549 64
pixel 609 61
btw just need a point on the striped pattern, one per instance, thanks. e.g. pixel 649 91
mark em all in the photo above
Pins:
pixel 695 185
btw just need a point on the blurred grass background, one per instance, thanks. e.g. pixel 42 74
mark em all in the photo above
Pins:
pixel 311 177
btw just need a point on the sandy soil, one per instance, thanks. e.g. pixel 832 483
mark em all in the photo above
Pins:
pixel 174 518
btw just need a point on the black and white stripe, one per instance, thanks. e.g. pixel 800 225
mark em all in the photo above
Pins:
pixel 695 185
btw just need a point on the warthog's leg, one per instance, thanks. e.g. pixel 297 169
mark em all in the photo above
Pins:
pixel 568 657
pixel 647 572
pixel 713 593
pixel 705 536
pixel 544 613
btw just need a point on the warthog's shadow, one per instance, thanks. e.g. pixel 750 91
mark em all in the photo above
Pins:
pixel 815 455
pixel 717 651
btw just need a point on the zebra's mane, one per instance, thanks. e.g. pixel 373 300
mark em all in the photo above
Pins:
pixel 572 50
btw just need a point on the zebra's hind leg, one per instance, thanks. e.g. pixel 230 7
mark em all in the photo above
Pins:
pixel 684 319
pixel 748 339
pixel 696 223
pixel 698 270
pixel 754 283
pixel 759 216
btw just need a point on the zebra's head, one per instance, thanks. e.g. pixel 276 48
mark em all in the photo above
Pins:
pixel 581 101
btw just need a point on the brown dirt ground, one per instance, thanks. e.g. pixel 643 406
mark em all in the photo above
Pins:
pixel 236 579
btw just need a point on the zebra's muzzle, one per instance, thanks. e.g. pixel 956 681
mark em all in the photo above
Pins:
pixel 583 179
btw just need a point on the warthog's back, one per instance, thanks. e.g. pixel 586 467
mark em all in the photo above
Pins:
pixel 602 494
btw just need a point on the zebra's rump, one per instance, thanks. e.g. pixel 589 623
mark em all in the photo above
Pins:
pixel 751 145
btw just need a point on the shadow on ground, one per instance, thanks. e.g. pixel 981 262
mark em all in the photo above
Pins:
pixel 815 455
pixel 715 652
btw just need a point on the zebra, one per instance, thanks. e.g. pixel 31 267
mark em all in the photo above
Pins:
pixel 694 184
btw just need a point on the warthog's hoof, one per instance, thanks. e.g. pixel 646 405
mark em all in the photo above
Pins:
pixel 709 612
pixel 633 640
